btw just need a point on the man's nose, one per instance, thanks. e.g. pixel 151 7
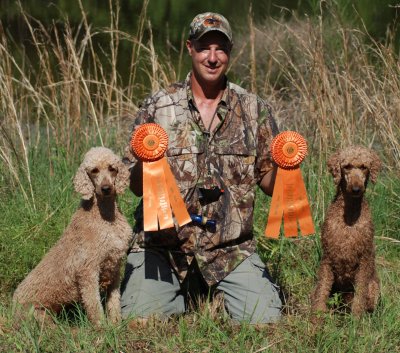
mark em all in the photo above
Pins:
pixel 212 56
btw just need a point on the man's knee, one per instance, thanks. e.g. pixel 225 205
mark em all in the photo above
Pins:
pixel 250 294
pixel 150 286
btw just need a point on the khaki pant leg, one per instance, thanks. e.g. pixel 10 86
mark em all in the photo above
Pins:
pixel 150 287
pixel 249 293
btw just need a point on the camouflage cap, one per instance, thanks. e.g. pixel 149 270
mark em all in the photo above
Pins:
pixel 209 21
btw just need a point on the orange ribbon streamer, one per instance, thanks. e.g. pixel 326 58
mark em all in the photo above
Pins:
pixel 161 195
pixel 289 198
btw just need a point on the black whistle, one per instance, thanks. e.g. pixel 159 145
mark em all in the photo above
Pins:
pixel 207 196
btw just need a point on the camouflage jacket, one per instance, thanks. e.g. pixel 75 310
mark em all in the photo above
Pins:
pixel 234 157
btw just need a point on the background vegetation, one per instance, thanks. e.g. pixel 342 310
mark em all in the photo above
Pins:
pixel 73 78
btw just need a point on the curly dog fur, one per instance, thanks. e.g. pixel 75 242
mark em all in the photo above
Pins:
pixel 87 258
pixel 348 261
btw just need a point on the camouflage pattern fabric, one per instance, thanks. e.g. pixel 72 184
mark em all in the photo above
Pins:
pixel 234 157
pixel 209 21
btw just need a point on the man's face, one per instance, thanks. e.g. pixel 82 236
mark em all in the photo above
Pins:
pixel 210 56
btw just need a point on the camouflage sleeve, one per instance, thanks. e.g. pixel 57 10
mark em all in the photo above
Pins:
pixel 144 114
pixel 267 129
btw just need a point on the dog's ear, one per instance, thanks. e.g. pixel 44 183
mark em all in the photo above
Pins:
pixel 122 180
pixel 375 167
pixel 334 167
pixel 83 184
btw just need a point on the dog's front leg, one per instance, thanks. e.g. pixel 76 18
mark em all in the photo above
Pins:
pixel 90 295
pixel 362 279
pixel 324 285
pixel 113 305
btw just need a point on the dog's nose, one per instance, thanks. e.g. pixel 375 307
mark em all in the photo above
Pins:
pixel 356 189
pixel 106 189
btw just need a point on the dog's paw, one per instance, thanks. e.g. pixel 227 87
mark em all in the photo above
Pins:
pixel 357 311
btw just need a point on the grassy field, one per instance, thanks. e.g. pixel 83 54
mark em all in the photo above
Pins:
pixel 333 84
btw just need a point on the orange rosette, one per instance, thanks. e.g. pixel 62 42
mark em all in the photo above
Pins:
pixel 161 195
pixel 289 198
pixel 149 142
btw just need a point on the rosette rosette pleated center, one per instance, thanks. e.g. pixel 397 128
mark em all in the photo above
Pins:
pixel 149 142
pixel 288 149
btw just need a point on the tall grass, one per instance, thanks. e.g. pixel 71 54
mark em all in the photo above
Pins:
pixel 69 90
pixel 333 84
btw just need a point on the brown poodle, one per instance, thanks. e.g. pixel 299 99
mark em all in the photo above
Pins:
pixel 87 258
pixel 348 260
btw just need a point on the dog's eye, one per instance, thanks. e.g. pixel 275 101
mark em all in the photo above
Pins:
pixel 94 171
pixel 347 167
pixel 111 169
pixel 363 167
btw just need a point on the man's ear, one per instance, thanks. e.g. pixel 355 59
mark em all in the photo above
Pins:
pixel 189 46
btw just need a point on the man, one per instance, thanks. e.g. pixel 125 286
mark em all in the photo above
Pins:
pixel 219 138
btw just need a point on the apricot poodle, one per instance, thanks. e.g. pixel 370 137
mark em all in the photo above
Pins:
pixel 348 260
pixel 86 259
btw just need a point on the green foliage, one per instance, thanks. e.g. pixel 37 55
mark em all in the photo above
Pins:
pixel 170 18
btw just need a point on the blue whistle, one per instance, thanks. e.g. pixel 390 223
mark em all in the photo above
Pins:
pixel 204 221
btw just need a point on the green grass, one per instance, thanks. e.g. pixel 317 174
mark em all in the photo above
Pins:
pixel 26 234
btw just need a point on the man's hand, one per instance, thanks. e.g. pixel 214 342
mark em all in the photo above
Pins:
pixel 136 179
pixel 268 181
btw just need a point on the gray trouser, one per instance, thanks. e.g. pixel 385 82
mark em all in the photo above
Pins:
pixel 151 287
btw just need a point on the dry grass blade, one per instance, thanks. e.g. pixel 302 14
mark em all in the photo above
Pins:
pixel 392 240
pixel 16 140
